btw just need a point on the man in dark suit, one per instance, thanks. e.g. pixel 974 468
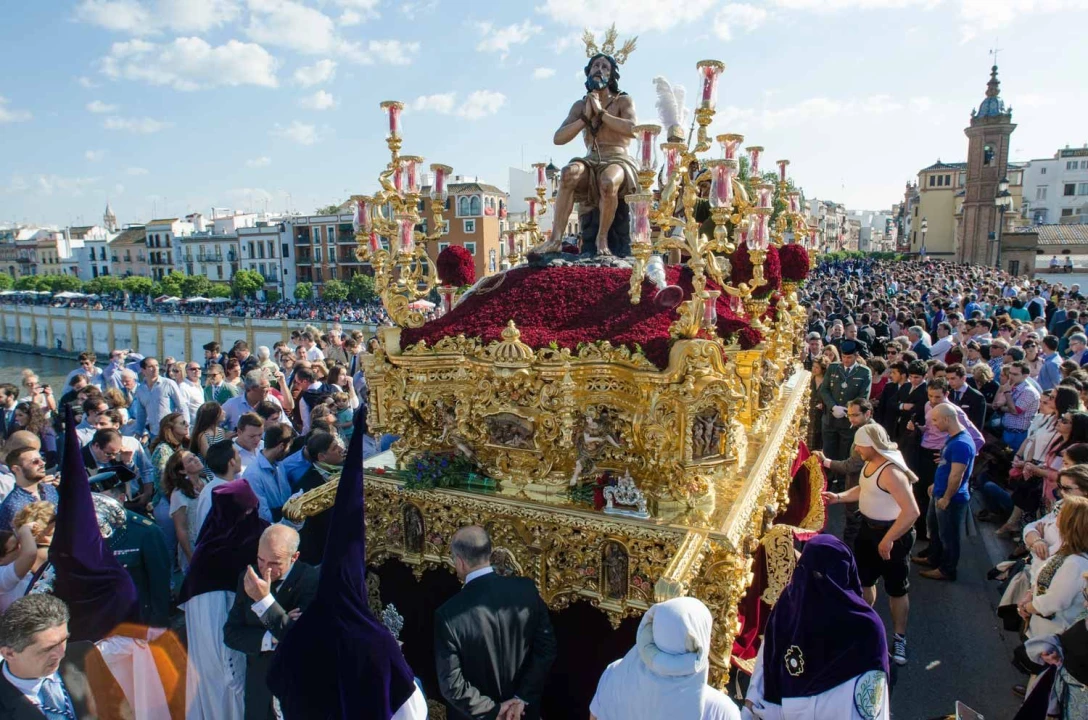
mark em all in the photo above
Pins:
pixel 493 641
pixel 265 607
pixel 327 453
pixel 9 394
pixel 965 396
pixel 918 343
pixel 887 409
pixel 845 381
pixel 32 662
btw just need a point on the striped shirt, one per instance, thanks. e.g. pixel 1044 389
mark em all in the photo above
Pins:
pixel 1026 399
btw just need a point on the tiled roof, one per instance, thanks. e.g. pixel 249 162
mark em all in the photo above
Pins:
pixel 1059 234
pixel 467 187
pixel 945 166
pixel 163 221
pixel 131 236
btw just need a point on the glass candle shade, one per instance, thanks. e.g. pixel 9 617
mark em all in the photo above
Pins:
pixel 721 183
pixel 532 208
pixel 709 73
pixel 672 158
pixel 440 190
pixel 734 304
pixel 398 178
pixel 410 165
pixel 754 153
pixel 374 242
pixel 710 310
pixel 392 109
pixel 639 206
pixel 730 142
pixel 511 244
pixel 765 193
pixel 795 201
pixel 814 238
pixel 646 153
pixel 362 220
pixel 760 233
pixel 742 232
pixel 782 165
pixel 541 176
pixel 406 233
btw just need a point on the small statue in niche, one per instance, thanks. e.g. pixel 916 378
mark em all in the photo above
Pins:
pixel 767 383
pixel 510 430
pixel 614 566
pixel 596 436
pixel 502 562
pixel 706 434
pixel 447 420
pixel 413 529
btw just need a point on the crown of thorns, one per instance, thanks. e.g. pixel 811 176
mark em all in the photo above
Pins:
pixel 609 46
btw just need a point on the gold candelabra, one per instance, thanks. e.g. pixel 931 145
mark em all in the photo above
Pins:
pixel 386 227
pixel 530 231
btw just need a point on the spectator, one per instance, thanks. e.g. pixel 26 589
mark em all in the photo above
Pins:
pixel 182 481
pixel 155 397
pixel 31 484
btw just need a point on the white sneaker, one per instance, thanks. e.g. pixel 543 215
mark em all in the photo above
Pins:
pixel 899 650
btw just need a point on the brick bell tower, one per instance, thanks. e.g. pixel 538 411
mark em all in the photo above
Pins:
pixel 987 164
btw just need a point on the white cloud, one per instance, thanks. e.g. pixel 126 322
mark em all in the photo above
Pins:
pixel 481 103
pixel 86 82
pixel 738 16
pixel 836 5
pixel 94 155
pixel 442 103
pixel 71 186
pixel 320 72
pixel 543 73
pixel 987 15
pixel 631 16
pixel 147 18
pixel 8 115
pixel 565 42
pixel 814 110
pixel 292 25
pixel 349 18
pixel 320 100
pixel 136 171
pixel 118 189
pixel 500 39
pixel 263 161
pixel 252 198
pixel 144 126
pixel 393 52
pixel 190 63
pixel 920 104
pixel 298 132
pixel 412 10
pixel 97 106
pixel 1034 100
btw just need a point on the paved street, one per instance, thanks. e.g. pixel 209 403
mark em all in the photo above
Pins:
pixel 958 650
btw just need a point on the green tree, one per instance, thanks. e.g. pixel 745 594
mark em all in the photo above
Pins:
pixel 104 285
pixel 30 282
pixel 219 290
pixel 195 285
pixel 272 295
pixel 136 285
pixel 246 283
pixel 172 284
pixel 7 282
pixel 335 290
pixel 361 288
pixel 64 283
pixel 328 210
pixel 304 291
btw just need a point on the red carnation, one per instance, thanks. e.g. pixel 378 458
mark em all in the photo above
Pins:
pixel 749 338
pixel 794 262
pixel 456 267
pixel 742 271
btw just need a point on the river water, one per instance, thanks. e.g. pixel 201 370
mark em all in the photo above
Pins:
pixel 50 370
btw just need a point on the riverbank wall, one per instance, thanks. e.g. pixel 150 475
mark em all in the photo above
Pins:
pixel 63 331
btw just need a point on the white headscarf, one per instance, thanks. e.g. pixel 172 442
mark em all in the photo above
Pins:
pixel 664 675
pixel 876 437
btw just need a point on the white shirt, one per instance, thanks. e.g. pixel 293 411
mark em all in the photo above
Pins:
pixel 314 354
pixel 940 348
pixel 193 395
pixel 238 406
pixel 248 458
pixel 478 573
pixel 204 505
pixel 29 688
pixel 268 642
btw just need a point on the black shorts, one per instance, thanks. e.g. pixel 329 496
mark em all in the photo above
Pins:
pixel 872 567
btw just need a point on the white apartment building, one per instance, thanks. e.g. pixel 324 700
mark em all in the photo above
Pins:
pixel 207 253
pixel 161 244
pixel 1056 189
pixel 90 251
pixel 267 248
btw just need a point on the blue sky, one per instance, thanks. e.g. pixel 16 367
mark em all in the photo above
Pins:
pixel 172 106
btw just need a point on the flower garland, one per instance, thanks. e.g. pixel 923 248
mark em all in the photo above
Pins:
pixel 566 307
pixel 743 272
pixel 795 262
pixel 456 267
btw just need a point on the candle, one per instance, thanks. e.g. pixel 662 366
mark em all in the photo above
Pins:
pixel 743 228
pixel 721 183
pixel 639 205
pixel 375 242
pixel 765 193
pixel 541 176
pixel 393 110
pixel 672 158
pixel 753 160
pixel 362 220
pixel 532 209
pixel 730 142
pixel 710 311
pixel 406 226
pixel 511 244
pixel 441 176
pixel 795 202
pixel 710 70
pixel 356 226
pixel 411 174
pixel 398 178
pixel 782 164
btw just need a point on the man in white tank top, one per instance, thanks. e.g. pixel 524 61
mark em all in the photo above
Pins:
pixel 888 511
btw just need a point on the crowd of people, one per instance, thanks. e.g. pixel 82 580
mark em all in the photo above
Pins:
pixel 933 382
pixel 938 390
pixel 317 310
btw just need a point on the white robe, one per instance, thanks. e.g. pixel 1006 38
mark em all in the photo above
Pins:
pixel 215 683
pixel 838 702
pixel 133 667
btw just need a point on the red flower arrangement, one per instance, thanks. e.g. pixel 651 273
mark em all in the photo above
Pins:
pixel 742 270
pixel 456 267
pixel 570 306
pixel 794 260
pixel 749 337
pixel 571 248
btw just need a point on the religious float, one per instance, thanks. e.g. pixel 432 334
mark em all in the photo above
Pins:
pixel 624 417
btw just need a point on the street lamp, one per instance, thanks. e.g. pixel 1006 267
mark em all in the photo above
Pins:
pixel 925 227
pixel 1003 202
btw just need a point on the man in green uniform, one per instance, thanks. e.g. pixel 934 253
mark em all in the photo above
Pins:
pixel 843 382
pixel 136 542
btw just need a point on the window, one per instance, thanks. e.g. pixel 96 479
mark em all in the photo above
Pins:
pixel 442 246
pixel 1082 188
pixel 1070 189
pixel 319 275
pixel 491 261
pixel 446 227
pixel 1042 171
pixel 286 252
pixel 271 249
pixel 1084 164
pixel 948 181
pixel 1040 192
pixel 470 226
pixel 963 179
pixel 260 269
pixel 462 206
pixel 260 250
pixel 988 155
pixel 1070 164
pixel 330 234
pixel 1014 267
pixel 475 206
pixel 471 247
pixel 251 253
pixel 219 270
pixel 317 254
pixel 1067 212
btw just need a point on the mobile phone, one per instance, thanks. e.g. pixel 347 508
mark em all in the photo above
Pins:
pixel 965 713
